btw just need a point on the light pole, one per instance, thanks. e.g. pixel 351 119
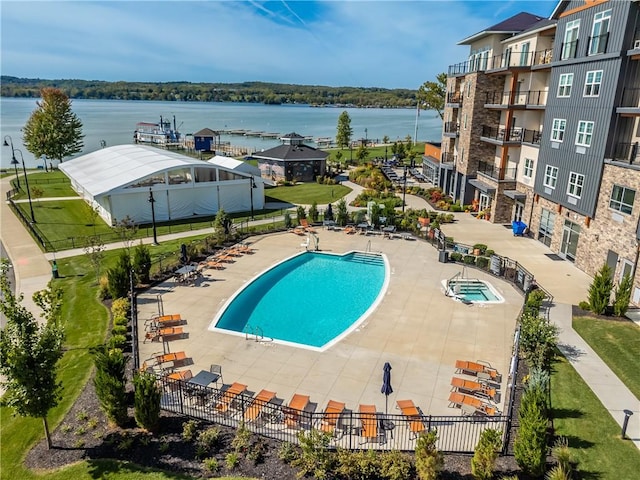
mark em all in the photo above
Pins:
pixel 252 185
pixel 26 182
pixel 350 153
pixel 404 188
pixel 14 162
pixel 152 201
pixel 366 138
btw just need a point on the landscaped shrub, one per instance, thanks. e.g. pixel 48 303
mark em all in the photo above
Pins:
pixel 110 383
pixel 189 430
pixel 395 465
pixel 622 296
pixel 119 276
pixel 210 438
pixel 315 458
pixel 486 453
pixel 535 298
pixel 120 307
pixel 480 246
pixel 287 220
pixel 558 473
pixel 584 305
pixel 117 341
pixel 313 212
pixel 287 452
pixel 469 259
pixel 146 401
pixel 211 464
pixel 119 330
pixel 538 340
pixel 242 440
pixel 482 262
pixel 429 460
pixel 531 443
pixel 562 453
pixel 120 321
pixel 455 256
pixel 358 464
pixel 103 288
pixel 300 213
pixel 600 290
pixel 142 263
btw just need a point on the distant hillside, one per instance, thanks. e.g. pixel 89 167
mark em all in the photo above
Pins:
pixel 249 92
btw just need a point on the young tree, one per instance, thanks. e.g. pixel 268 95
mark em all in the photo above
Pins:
pixel 126 230
pixel 142 263
pixel 487 450
pixel 146 401
pixel 94 250
pixel 29 353
pixel 343 136
pixel 313 212
pixel 119 276
pixel 600 290
pixel 429 460
pixel 53 129
pixel 431 95
pixel 110 383
pixel 37 193
pixel 622 296
pixel 342 214
pixel 362 153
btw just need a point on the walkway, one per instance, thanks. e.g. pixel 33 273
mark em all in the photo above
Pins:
pixel 568 285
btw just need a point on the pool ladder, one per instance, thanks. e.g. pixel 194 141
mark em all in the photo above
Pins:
pixel 254 333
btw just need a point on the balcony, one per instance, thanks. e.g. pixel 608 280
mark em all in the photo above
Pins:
pixel 454 99
pixel 502 135
pixel 451 129
pixel 531 137
pixel 496 173
pixel 510 60
pixel 542 59
pixel 630 104
pixel 569 50
pixel 598 44
pixel 447 157
pixel 521 99
pixel 626 153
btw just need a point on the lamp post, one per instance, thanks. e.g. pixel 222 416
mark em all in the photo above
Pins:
pixel 404 188
pixel 385 153
pixel 152 201
pixel 14 162
pixel 252 185
pixel 26 182
pixel 350 153
pixel 366 138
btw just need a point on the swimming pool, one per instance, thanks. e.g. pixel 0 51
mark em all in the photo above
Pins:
pixel 472 291
pixel 310 300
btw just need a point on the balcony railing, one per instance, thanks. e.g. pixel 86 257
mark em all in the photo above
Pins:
pixel 527 97
pixel 447 157
pixel 543 57
pixel 490 170
pixel 598 44
pixel 451 128
pixel 569 50
pixel 454 97
pixel 531 136
pixel 509 59
pixel 626 153
pixel 630 98
pixel 503 134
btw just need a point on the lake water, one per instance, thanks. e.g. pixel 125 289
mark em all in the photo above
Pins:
pixel 114 122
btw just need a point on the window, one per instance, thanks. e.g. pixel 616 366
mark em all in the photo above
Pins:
pixel 576 181
pixel 622 199
pixel 557 129
pixel 570 44
pixel 592 83
pixel 545 231
pixel 524 54
pixel 464 121
pixel 528 168
pixel 584 134
pixel 550 176
pixel 600 33
pixel 564 85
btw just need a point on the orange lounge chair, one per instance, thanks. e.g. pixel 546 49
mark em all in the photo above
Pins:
pixel 213 264
pixel 166 320
pixel 184 375
pixel 244 249
pixel 175 357
pixel 350 230
pixel 229 395
pixel 471 405
pixel 304 223
pixel 299 230
pixel 473 388
pixel 258 404
pixel 292 412
pixel 164 334
pixel 330 416
pixel 479 369
pixel 414 416
pixel 369 420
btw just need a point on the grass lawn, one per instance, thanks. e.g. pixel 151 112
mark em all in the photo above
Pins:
pixel 594 437
pixel 85 321
pixel 617 342
pixel 53 184
pixel 307 193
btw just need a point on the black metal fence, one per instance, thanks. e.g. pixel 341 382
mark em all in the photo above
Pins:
pixel 348 429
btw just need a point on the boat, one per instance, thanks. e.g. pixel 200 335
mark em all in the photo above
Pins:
pixel 161 133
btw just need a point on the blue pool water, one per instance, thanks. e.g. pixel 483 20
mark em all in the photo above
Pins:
pixel 474 291
pixel 310 299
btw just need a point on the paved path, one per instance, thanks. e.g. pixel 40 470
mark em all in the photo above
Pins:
pixel 567 284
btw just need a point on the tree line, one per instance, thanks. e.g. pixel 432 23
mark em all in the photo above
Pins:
pixel 245 92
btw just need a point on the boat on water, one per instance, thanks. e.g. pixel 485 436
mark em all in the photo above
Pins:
pixel 163 133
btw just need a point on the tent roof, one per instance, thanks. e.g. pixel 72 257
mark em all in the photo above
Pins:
pixel 105 170
pixel 230 163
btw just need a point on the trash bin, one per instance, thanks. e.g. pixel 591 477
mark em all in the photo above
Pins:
pixel 443 256
pixel 54 269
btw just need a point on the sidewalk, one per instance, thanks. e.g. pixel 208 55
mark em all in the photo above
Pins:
pixel 566 283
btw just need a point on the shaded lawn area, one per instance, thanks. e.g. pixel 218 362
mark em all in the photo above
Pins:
pixel 594 437
pixel 53 184
pixel 617 343
pixel 307 193
pixel 85 321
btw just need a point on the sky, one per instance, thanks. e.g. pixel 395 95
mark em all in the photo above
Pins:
pixel 387 44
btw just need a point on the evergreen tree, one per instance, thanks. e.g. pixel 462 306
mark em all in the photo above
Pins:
pixel 622 296
pixel 600 290
pixel 118 276
pixel 146 401
pixel 342 215
pixel 29 353
pixel 538 339
pixel 531 442
pixel 313 211
pixel 328 214
pixel 110 383
pixel 53 130
pixel 343 136
pixel 486 453
pixel 429 460
pixel 142 263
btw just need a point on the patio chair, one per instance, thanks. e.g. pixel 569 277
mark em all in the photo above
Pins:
pixel 256 406
pixel 472 405
pixel 414 417
pixel 330 416
pixel 350 230
pixel 216 370
pixel 474 388
pixel 478 367
pixel 166 320
pixel 224 402
pixel 369 421
pixel 175 357
pixel 292 411
pixel 299 230
pixel 183 375
pixel 304 223
pixel 164 334
pixel 213 264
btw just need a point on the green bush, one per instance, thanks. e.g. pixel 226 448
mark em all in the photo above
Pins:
pixel 482 262
pixel 110 383
pixel 531 442
pixel 119 330
pixel 209 438
pixel 558 473
pixel 315 458
pixel 231 460
pixel 456 257
pixel 287 220
pixel 189 429
pixel 358 464
pixel 429 460
pixel 211 464
pixel 117 341
pixel 146 401
pixel 395 465
pixel 480 246
pixel 142 263
pixel 584 305
pixel 538 340
pixel 242 439
pixel 469 260
pixel 622 296
pixel 562 453
pixel 489 252
pixel 486 452
pixel 287 452
pixel 119 276
pixel 120 321
pixel 121 307
pixel 600 290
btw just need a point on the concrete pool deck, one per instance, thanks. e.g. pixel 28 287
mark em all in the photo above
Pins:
pixel 418 330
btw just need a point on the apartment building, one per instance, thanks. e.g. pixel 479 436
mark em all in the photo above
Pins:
pixel 542 124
